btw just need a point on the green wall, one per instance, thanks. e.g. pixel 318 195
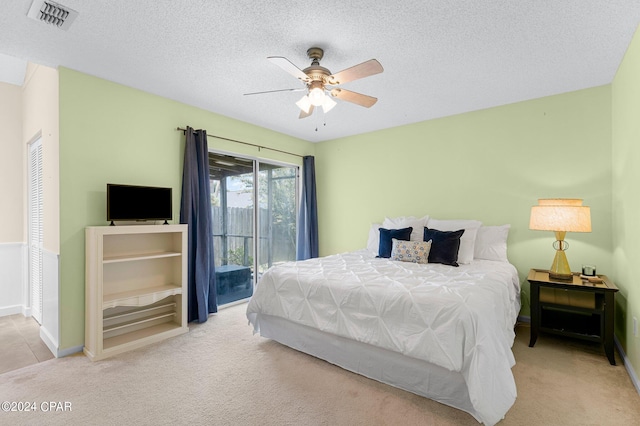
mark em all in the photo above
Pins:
pixel 112 133
pixel 491 165
pixel 626 197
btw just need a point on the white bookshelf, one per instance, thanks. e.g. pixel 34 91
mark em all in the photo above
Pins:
pixel 136 287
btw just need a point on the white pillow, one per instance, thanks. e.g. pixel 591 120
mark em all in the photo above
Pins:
pixel 407 221
pixel 373 242
pixel 468 239
pixel 491 243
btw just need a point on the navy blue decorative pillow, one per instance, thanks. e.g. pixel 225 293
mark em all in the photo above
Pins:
pixel 386 235
pixel 444 245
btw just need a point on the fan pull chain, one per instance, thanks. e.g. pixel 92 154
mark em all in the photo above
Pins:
pixel 324 120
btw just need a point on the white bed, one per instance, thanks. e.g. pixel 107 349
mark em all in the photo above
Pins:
pixel 439 331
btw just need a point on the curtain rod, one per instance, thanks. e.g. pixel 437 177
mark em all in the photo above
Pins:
pixel 184 131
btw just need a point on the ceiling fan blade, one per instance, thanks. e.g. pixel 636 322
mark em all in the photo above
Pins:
pixel 306 114
pixel 274 91
pixel 356 98
pixel 362 70
pixel 286 65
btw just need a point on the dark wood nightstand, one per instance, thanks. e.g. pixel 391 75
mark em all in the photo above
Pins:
pixel 575 308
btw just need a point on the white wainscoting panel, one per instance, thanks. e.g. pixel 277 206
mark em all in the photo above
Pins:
pixel 12 283
pixel 49 329
pixel 15 294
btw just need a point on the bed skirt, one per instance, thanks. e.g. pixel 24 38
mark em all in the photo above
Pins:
pixel 411 374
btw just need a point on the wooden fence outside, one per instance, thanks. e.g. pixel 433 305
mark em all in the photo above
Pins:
pixel 277 240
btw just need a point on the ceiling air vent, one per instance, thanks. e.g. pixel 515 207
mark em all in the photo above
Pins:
pixel 52 13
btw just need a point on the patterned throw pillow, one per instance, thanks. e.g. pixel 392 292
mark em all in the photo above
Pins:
pixel 411 251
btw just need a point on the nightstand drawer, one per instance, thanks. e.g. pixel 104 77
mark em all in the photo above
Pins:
pixel 581 299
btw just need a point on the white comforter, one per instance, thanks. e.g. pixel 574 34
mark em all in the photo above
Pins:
pixel 460 318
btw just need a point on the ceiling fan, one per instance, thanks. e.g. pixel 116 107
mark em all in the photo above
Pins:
pixel 320 83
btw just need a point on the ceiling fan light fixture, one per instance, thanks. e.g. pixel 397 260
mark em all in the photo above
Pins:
pixel 328 104
pixel 316 96
pixel 318 81
pixel 304 104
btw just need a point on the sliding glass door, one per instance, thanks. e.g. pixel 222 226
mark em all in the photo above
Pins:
pixel 247 241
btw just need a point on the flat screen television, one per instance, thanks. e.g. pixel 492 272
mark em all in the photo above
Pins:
pixel 139 203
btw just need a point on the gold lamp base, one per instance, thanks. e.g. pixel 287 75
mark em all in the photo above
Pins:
pixel 560 269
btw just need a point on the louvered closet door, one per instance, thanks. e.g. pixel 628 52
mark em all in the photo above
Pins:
pixel 36 236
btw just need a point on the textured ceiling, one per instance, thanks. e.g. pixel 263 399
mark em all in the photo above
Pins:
pixel 440 57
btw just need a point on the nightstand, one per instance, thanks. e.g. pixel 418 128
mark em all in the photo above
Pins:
pixel 575 308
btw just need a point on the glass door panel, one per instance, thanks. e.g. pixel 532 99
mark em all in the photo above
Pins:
pixel 233 218
pixel 277 191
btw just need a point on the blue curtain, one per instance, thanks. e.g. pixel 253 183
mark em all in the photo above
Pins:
pixel 307 245
pixel 195 210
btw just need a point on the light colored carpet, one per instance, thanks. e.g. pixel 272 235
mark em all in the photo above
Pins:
pixel 220 374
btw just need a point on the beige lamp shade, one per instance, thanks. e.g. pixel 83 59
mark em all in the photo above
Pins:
pixel 560 214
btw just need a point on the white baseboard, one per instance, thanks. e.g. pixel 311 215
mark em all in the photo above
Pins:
pixel 52 344
pixel 48 340
pixel 69 351
pixel 627 365
pixel 10 310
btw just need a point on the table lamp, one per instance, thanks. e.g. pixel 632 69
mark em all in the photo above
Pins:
pixel 560 215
